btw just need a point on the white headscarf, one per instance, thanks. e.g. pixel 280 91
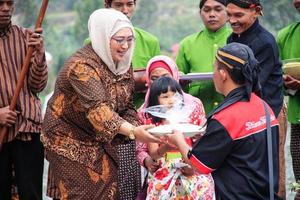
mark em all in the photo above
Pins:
pixel 102 25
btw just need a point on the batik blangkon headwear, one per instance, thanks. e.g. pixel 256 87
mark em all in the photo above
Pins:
pixel 240 57
pixel 202 2
pixel 103 24
pixel 245 3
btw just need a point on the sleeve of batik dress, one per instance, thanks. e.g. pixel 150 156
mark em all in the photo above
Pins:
pixel 209 152
pixel 130 114
pixel 141 152
pixel 95 98
pixel 181 60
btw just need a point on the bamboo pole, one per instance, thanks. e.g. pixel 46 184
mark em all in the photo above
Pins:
pixel 24 70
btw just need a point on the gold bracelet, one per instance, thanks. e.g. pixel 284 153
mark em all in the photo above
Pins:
pixel 131 133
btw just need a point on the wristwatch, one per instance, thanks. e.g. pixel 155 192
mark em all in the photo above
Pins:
pixel 131 134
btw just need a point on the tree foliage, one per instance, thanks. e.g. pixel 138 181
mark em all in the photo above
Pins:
pixel 65 27
pixel 83 11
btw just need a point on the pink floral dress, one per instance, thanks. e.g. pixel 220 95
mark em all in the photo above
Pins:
pixel 168 182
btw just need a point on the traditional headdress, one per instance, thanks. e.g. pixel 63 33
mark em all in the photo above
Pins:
pixel 240 57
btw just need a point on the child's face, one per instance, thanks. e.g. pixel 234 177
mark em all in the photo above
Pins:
pixel 167 99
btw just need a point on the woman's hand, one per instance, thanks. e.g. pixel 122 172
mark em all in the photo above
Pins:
pixel 143 135
pixel 187 171
pixel 151 164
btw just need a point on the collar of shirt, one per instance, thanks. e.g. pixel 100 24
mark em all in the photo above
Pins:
pixel 215 34
pixel 4 31
pixel 238 94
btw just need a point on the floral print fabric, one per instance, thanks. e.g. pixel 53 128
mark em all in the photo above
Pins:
pixel 168 182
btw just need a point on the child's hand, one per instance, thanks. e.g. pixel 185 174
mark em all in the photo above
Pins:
pixel 151 164
pixel 176 137
pixel 187 171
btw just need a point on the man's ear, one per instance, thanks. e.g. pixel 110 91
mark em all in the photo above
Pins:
pixel 224 74
pixel 258 11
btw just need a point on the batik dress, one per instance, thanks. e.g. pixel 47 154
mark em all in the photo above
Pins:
pixel 168 182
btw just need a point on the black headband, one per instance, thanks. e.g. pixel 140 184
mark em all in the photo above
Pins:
pixel 245 3
pixel 240 56
pixel 202 2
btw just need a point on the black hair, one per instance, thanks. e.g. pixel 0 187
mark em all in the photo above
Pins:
pixel 109 2
pixel 202 2
pixel 235 74
pixel 160 86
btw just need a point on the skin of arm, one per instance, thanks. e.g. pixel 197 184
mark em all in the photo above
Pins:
pixel 177 139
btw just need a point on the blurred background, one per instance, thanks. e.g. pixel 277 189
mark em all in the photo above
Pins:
pixel 65 25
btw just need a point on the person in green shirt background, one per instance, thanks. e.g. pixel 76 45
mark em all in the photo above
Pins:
pixel 288 40
pixel 197 51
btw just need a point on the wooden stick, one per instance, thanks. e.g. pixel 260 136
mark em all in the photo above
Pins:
pixel 24 70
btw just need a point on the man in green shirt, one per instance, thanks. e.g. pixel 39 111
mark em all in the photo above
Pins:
pixel 288 42
pixel 197 51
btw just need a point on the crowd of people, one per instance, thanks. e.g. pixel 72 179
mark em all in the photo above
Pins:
pixel 95 130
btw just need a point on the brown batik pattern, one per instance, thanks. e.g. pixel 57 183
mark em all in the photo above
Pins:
pixel 84 114
pixel 70 175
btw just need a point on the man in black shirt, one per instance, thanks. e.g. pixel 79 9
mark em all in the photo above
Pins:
pixel 242 15
pixel 243 18
pixel 234 147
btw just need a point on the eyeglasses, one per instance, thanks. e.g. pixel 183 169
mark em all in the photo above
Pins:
pixel 122 40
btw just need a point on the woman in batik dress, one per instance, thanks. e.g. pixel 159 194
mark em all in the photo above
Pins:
pixel 91 111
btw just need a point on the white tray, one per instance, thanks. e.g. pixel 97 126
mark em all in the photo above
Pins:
pixel 197 76
pixel 188 130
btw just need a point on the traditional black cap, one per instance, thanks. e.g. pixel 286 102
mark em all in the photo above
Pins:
pixel 245 3
pixel 202 2
pixel 238 56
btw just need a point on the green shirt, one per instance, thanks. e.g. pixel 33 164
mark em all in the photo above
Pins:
pixel 197 54
pixel 146 47
pixel 288 42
